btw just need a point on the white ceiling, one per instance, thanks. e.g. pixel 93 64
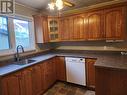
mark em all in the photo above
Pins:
pixel 43 4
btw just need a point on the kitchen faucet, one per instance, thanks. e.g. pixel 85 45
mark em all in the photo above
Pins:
pixel 17 57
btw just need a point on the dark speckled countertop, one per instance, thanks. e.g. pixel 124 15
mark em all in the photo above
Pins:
pixel 4 70
pixel 113 61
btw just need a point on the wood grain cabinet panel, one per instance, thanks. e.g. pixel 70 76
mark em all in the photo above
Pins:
pixel 53 70
pixel 86 33
pixel 11 84
pixel 41 28
pixel 37 80
pixel 110 81
pixel 114 23
pixel 49 73
pixel 26 82
pixel 45 29
pixel 46 75
pixel 64 29
pixel 18 83
pixel 78 27
pixel 95 25
pixel 60 68
pixel 90 72
pixel 71 28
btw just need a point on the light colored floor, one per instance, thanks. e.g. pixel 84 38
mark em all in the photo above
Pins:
pixel 61 88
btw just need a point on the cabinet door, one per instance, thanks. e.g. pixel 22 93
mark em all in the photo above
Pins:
pixel 110 81
pixel 86 33
pixel 90 72
pixel 78 27
pixel 37 80
pixel 41 29
pixel 49 73
pixel 52 70
pixel 114 23
pixel 60 68
pixel 11 85
pixel 46 75
pixel 53 24
pixel 45 29
pixel 26 82
pixel 43 75
pixel 71 28
pixel 64 29
pixel 95 25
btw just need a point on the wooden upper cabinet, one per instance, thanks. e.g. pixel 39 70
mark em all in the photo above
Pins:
pixel 95 25
pixel 45 29
pixel 41 28
pixel 114 23
pixel 64 29
pixel 86 33
pixel 11 84
pixel 78 27
pixel 71 28
pixel 53 27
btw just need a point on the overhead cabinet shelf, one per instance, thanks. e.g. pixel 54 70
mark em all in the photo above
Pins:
pixel 103 24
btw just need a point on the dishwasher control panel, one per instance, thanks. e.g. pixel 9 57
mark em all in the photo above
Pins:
pixel 75 59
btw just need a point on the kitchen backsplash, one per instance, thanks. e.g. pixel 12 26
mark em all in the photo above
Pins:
pixel 89 45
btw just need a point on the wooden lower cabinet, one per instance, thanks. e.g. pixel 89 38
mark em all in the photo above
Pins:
pixel 49 73
pixel 90 70
pixel 34 80
pixel 26 82
pixel 110 81
pixel 17 84
pixel 37 80
pixel 60 68
pixel 10 84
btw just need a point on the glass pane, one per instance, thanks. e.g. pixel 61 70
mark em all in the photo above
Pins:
pixel 21 29
pixel 4 35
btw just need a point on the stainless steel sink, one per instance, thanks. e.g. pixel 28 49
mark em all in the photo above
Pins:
pixel 24 62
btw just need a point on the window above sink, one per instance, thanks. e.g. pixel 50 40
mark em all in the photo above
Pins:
pixel 16 31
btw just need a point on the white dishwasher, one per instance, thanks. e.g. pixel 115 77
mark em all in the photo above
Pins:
pixel 75 70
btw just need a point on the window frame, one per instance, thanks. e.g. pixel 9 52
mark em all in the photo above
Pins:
pixel 11 33
pixel 8 32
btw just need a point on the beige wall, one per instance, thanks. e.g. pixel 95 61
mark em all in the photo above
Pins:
pixel 24 10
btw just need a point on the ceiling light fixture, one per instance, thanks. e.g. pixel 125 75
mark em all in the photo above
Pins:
pixel 51 6
pixel 59 4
